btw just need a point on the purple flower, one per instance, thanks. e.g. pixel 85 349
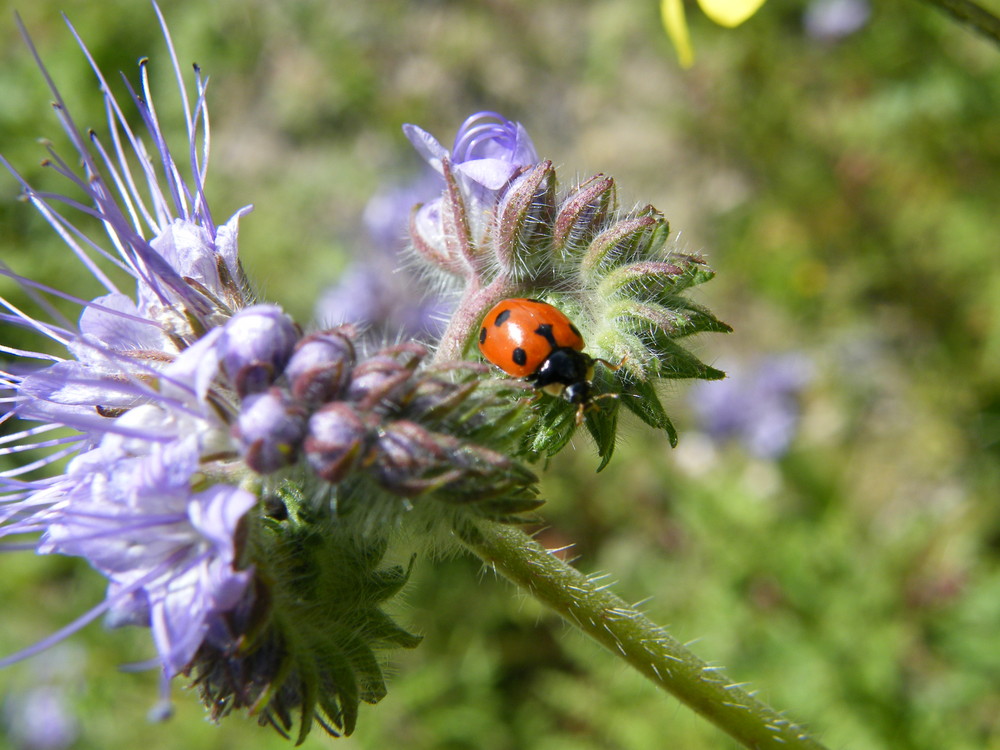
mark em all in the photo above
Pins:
pixel 489 152
pixel 151 495
pixel 758 406
pixel 141 508
pixel 167 550
pixel 40 719
pixel 830 20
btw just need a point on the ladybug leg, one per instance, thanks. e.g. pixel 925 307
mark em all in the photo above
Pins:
pixel 599 396
pixel 590 405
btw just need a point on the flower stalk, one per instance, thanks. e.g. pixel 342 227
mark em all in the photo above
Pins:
pixel 588 605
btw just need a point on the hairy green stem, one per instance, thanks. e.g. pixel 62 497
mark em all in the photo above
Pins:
pixel 973 15
pixel 625 632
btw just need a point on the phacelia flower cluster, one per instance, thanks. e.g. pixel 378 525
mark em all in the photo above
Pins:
pixel 239 481
pixel 227 473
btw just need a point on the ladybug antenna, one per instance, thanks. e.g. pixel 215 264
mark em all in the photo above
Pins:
pixel 610 365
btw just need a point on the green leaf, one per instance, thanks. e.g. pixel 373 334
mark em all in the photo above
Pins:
pixel 601 414
pixel 602 423
pixel 384 629
pixel 367 669
pixel 640 397
pixel 678 363
pixel 693 318
pixel 338 695
pixel 387 582
pixel 695 271
pixel 556 422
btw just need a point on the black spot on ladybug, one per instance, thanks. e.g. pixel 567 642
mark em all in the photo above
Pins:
pixel 545 331
pixel 575 330
pixel 519 356
pixel 482 335
pixel 502 317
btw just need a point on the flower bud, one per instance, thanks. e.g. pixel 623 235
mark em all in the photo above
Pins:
pixel 622 241
pixel 338 440
pixel 320 368
pixel 428 238
pixel 383 377
pixel 270 429
pixel 583 213
pixel 410 460
pixel 524 215
pixel 256 344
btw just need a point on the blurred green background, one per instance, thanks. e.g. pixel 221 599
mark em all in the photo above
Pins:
pixel 846 191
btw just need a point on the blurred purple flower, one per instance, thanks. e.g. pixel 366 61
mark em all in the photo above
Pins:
pixel 387 213
pixel 40 719
pixel 831 20
pixel 758 405
pixel 377 292
pixel 377 295
pixel 40 715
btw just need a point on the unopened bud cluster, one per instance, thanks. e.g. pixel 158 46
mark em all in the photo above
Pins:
pixel 382 418
pixel 504 229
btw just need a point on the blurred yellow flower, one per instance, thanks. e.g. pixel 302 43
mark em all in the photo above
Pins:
pixel 728 13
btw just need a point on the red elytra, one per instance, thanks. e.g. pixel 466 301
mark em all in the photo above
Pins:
pixel 531 339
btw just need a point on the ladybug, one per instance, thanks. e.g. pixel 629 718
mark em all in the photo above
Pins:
pixel 531 339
